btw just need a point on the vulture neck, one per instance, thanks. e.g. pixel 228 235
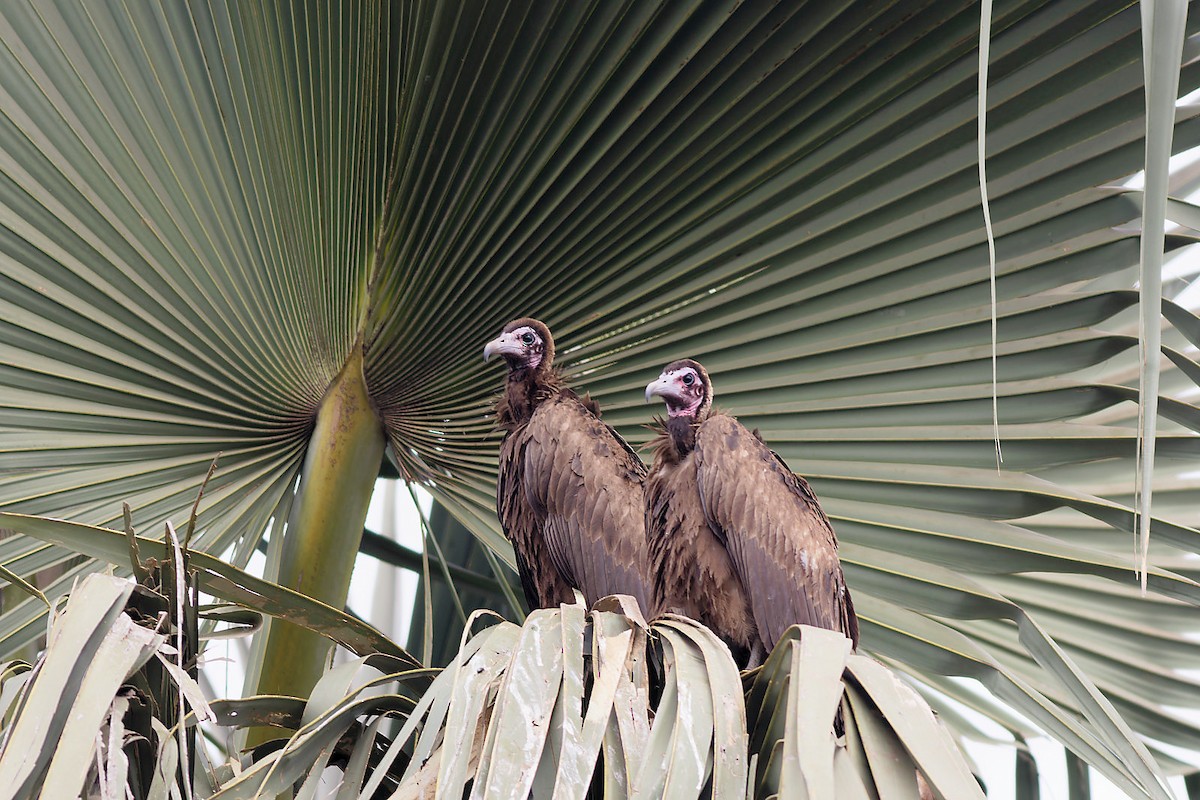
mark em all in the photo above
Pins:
pixel 676 439
pixel 524 391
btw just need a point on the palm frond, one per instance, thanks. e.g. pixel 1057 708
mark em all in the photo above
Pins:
pixel 203 209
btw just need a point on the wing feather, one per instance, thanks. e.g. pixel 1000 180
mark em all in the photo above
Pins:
pixel 543 583
pixel 585 483
pixel 690 569
pixel 780 541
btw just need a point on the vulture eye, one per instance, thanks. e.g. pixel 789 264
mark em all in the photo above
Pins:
pixel 689 379
pixel 527 338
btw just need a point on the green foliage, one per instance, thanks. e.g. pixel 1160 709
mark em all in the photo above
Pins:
pixel 117 681
pixel 567 701
pixel 206 207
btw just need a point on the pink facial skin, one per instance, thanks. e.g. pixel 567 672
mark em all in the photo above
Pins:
pixel 681 389
pixel 522 348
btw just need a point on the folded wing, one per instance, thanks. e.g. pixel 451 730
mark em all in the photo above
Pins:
pixel 780 541
pixel 584 485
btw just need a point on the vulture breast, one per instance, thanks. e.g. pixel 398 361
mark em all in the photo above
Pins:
pixel 690 567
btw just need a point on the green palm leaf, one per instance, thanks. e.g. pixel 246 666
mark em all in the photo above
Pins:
pixel 206 208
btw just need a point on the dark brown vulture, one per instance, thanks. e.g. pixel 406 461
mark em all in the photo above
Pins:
pixel 737 540
pixel 569 495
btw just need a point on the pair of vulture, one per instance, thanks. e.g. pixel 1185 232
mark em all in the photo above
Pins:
pixel 718 529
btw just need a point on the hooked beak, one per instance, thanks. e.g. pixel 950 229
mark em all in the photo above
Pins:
pixel 505 345
pixel 661 387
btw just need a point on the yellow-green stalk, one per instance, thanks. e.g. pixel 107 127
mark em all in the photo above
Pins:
pixel 324 529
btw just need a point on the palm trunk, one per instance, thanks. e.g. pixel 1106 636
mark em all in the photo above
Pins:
pixel 324 529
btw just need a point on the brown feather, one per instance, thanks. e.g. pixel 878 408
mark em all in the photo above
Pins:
pixel 586 486
pixel 779 540
pixel 690 568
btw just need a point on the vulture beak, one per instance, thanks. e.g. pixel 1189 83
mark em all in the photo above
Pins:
pixel 662 387
pixel 507 344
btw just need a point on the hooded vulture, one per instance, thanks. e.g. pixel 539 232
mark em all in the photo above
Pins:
pixel 737 541
pixel 569 494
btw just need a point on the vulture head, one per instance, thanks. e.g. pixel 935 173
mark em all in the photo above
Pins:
pixel 685 387
pixel 525 344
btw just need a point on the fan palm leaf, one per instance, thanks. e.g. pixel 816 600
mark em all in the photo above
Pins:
pixel 208 209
